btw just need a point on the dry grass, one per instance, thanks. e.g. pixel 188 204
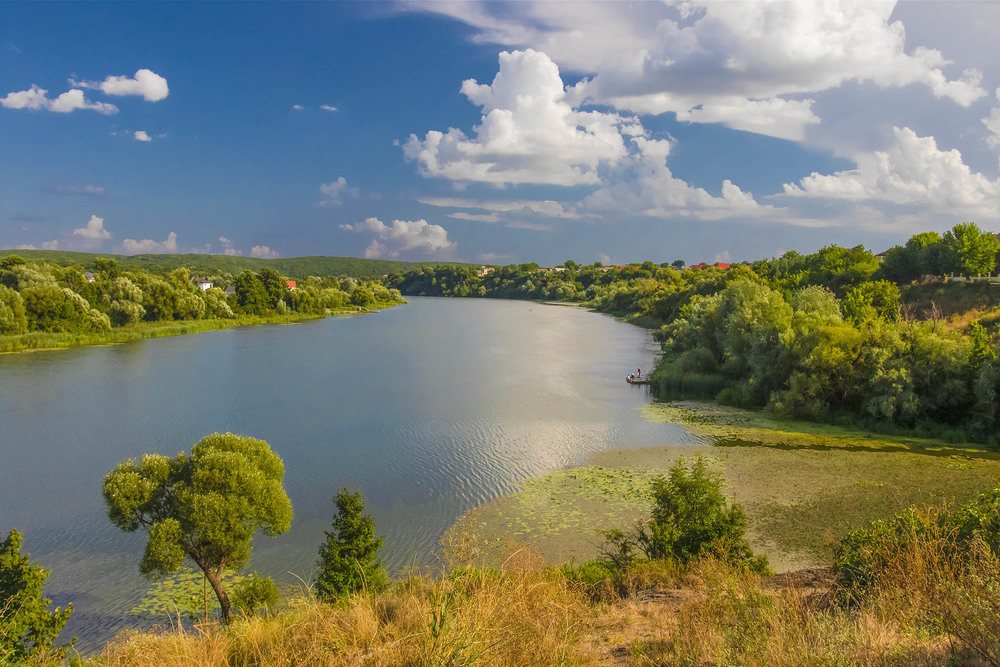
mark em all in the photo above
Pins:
pixel 522 614
pixel 926 608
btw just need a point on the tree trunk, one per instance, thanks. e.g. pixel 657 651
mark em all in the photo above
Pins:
pixel 215 578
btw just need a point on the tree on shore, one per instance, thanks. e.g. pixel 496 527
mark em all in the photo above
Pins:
pixel 207 506
pixel 348 560
pixel 26 624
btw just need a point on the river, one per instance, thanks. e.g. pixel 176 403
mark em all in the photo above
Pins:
pixel 429 409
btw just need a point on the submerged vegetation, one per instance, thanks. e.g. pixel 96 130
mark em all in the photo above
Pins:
pixel 48 306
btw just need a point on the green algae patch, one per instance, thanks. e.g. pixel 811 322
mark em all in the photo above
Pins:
pixel 559 514
pixel 755 427
pixel 802 485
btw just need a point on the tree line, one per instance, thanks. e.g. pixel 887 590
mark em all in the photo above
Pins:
pixel 43 297
pixel 821 336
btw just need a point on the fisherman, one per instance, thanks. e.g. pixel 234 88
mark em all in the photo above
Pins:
pixel 638 372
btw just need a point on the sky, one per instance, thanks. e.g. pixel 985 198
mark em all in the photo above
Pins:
pixel 496 132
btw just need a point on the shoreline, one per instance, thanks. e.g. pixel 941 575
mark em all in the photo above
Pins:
pixel 39 341
pixel 802 485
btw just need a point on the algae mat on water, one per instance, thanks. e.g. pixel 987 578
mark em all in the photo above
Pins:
pixel 802 485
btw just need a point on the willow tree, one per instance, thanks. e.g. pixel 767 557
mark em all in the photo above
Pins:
pixel 207 506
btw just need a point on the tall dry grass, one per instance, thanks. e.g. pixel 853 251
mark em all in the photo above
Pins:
pixel 522 614
pixel 929 603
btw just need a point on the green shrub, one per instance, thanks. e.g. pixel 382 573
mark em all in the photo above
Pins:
pixel 253 592
pixel 348 560
pixel 27 626
pixel 691 517
pixel 865 553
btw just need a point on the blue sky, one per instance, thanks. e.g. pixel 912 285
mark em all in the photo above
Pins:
pixel 495 132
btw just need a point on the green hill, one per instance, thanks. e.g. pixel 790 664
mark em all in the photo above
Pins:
pixel 293 267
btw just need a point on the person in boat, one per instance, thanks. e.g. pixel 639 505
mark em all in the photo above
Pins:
pixel 638 372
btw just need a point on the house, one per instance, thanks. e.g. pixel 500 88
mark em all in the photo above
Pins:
pixel 203 284
pixel 89 276
pixel 723 265
pixel 484 271
pixel 291 284
pixel 230 291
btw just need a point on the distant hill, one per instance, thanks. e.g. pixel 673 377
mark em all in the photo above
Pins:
pixel 293 267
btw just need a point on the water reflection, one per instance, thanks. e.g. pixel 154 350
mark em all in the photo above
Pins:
pixel 430 409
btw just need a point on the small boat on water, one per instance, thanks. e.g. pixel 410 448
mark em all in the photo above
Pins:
pixel 637 379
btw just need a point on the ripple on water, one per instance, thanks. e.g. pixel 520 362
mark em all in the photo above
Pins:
pixel 429 409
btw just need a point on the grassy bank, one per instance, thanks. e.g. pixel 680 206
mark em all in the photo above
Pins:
pixel 521 612
pixel 803 486
pixel 39 340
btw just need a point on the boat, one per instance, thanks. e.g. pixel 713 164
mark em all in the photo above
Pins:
pixel 635 379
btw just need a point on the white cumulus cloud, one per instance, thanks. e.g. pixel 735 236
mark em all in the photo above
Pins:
pixel 652 190
pixel 36 99
pixel 529 132
pixel 141 135
pixel 146 83
pixel 335 192
pixel 745 64
pixel 912 171
pixel 992 123
pixel 327 107
pixel 402 235
pixel 148 246
pixel 94 230
pixel 263 252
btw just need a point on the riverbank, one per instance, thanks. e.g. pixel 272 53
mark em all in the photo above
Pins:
pixel 803 486
pixel 37 341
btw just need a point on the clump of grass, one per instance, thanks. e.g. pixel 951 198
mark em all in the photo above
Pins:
pixel 519 613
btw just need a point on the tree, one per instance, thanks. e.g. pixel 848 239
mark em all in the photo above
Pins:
pixel 691 516
pixel 973 251
pixel 207 506
pixel 251 295
pixel 275 286
pixel 348 560
pixel 26 624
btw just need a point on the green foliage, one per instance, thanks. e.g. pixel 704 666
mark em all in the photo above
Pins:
pixel 13 319
pixel 861 556
pixel 274 285
pixel 251 295
pixel 877 299
pixel 972 250
pixel 692 517
pixel 26 624
pixel 254 592
pixel 207 506
pixel 348 559
pixel 209 265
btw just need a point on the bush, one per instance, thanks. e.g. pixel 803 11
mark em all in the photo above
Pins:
pixel 864 554
pixel 253 592
pixel 691 517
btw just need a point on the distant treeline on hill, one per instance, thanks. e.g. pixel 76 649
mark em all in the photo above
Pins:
pixel 294 267
pixel 840 334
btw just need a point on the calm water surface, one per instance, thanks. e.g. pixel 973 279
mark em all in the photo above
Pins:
pixel 430 409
